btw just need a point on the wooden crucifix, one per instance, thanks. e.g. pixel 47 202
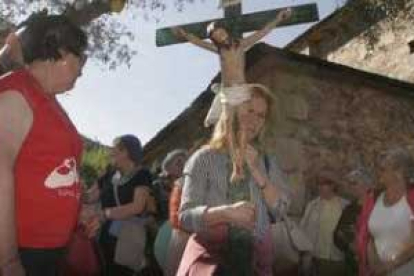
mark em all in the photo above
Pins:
pixel 227 41
pixel 238 23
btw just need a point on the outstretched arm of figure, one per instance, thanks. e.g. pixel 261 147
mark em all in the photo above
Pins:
pixel 181 33
pixel 249 41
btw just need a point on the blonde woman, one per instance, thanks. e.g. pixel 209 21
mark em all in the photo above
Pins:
pixel 229 217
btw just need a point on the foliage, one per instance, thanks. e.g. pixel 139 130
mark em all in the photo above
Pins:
pixel 88 174
pixel 110 40
pixel 94 162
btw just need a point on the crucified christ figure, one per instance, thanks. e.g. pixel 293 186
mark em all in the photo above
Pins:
pixel 232 56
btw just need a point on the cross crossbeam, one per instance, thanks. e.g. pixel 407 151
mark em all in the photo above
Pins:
pixel 239 23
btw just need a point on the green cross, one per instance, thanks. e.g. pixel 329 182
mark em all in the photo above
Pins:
pixel 238 23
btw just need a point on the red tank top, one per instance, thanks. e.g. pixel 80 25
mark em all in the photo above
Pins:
pixel 46 169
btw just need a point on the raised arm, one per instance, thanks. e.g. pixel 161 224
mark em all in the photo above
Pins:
pixel 11 56
pixel 249 41
pixel 15 122
pixel 270 181
pixel 181 33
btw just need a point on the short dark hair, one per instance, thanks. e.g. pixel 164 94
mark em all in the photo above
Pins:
pixel 132 145
pixel 45 35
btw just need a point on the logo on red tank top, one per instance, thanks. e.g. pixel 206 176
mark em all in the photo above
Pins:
pixel 64 175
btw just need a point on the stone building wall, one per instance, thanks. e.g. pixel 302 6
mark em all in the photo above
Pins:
pixel 388 54
pixel 352 37
pixel 336 118
pixel 333 122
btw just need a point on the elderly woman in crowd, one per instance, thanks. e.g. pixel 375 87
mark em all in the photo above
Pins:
pixel 386 225
pixel 359 183
pixel 172 170
pixel 228 211
pixel 170 242
pixel 319 222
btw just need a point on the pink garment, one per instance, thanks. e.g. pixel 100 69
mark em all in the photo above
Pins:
pixel 203 254
pixel 363 231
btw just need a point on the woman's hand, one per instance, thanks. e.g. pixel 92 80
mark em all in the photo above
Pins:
pixel 242 214
pixel 252 160
pixel 252 157
pixel 92 225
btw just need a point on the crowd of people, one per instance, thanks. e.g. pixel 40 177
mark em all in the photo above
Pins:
pixel 209 212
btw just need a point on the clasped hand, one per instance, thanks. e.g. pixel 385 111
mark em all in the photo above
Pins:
pixel 242 214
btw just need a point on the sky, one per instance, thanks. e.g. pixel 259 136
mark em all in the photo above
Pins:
pixel 161 81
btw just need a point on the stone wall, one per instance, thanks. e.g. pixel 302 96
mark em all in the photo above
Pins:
pixel 333 122
pixel 377 45
pixel 336 118
pixel 388 54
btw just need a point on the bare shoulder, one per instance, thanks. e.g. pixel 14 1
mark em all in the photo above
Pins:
pixel 14 108
pixel 12 99
pixel 15 119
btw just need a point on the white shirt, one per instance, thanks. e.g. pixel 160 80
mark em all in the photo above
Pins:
pixel 330 214
pixel 390 226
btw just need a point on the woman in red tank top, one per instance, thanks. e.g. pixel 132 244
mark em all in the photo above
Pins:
pixel 40 149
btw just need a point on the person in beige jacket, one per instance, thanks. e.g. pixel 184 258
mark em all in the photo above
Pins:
pixel 319 222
